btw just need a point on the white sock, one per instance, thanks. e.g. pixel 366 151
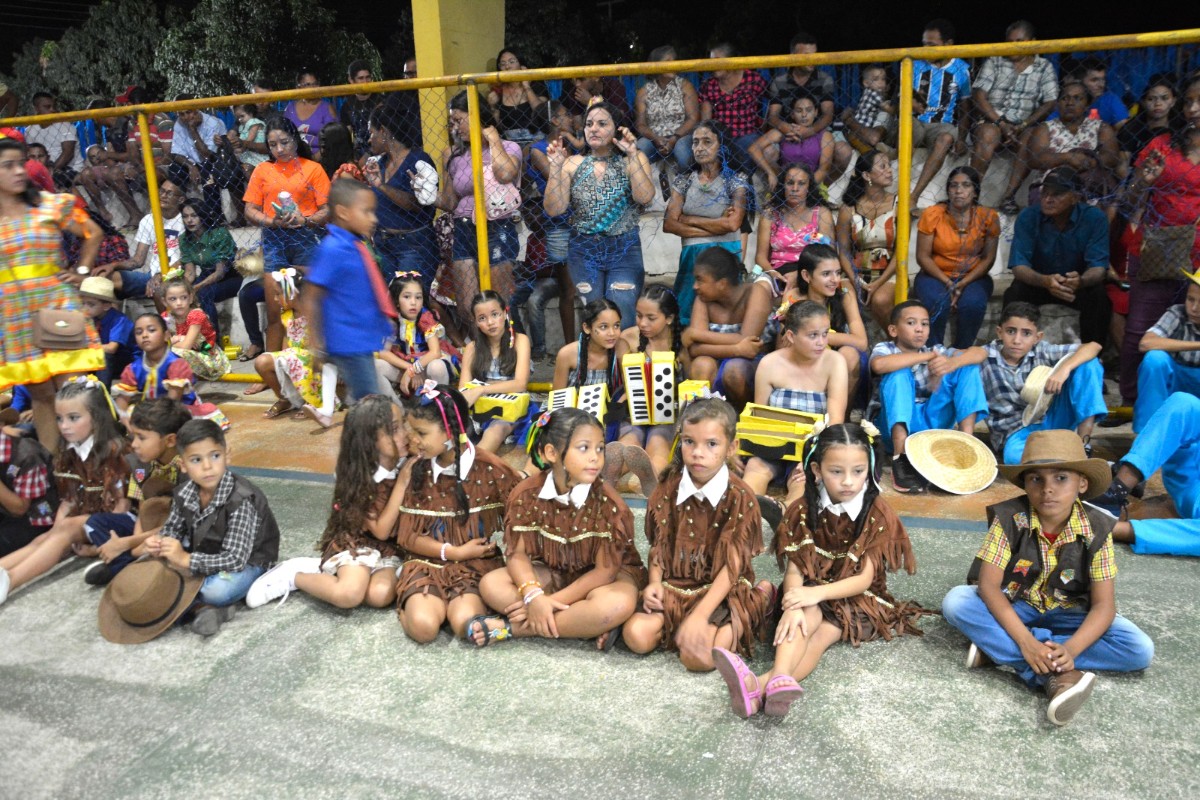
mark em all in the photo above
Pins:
pixel 328 389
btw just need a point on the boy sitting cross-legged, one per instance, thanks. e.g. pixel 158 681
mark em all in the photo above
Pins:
pixel 922 388
pixel 1045 600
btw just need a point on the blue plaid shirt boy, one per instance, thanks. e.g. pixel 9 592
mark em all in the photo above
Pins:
pixel 1175 325
pixel 920 372
pixel 1002 384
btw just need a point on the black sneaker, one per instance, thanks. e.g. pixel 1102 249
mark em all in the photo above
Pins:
pixel 98 574
pixel 209 619
pixel 1114 499
pixel 905 478
pixel 771 510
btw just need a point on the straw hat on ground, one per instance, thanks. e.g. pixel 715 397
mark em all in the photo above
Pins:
pixel 1033 393
pixel 99 288
pixel 145 599
pixel 1060 449
pixel 953 461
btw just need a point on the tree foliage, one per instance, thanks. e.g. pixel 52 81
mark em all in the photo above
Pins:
pixel 227 44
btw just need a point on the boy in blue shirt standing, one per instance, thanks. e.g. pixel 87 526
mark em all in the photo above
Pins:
pixel 350 315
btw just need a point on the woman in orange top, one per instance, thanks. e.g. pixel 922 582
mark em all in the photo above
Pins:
pixel 289 226
pixel 956 246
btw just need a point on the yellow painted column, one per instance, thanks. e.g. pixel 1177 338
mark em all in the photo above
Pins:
pixel 152 190
pixel 904 189
pixel 484 254
pixel 452 37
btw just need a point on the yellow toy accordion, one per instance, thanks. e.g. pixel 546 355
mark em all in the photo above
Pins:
pixel 506 407
pixel 650 387
pixel 592 399
pixel 774 434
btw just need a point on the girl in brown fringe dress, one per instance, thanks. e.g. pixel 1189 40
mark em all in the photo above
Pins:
pixel 454 505
pixel 704 528
pixel 836 544
pixel 359 560
pixel 90 473
pixel 573 571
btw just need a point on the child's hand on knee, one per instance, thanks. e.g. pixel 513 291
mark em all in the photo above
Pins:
pixel 1060 656
pixel 791 623
pixel 652 597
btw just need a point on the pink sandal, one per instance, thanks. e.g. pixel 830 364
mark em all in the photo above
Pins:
pixel 782 691
pixel 744 702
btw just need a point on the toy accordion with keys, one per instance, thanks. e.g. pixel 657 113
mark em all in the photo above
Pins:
pixel 650 387
pixel 774 434
pixel 592 399
pixel 507 407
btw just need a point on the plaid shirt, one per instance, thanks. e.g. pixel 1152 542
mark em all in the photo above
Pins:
pixel 239 537
pixel 1015 95
pixel 166 472
pixel 870 111
pixel 920 372
pixel 1002 384
pixel 996 551
pixel 1175 325
pixel 741 110
pixel 30 484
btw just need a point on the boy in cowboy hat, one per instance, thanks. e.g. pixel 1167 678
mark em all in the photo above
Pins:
pixel 1044 603
pixel 220 527
pixel 1172 360
pixel 99 301
pixel 1069 382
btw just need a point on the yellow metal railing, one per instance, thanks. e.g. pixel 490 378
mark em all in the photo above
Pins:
pixel 903 56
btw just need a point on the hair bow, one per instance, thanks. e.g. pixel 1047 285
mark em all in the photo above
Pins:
pixel 870 429
pixel 531 438
pixel 781 312
pixel 286 278
pixel 172 274
pixel 706 393
pixel 428 392
pixel 92 382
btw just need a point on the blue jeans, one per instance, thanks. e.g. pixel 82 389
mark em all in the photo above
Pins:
pixel 416 251
pixel 959 395
pixel 1122 648
pixel 225 289
pixel 226 588
pixel 1170 440
pixel 99 528
pixel 681 152
pixel 502 241
pixel 133 284
pixel 357 370
pixel 1159 376
pixel 608 266
pixel 531 298
pixel 282 247
pixel 1082 397
pixel 972 306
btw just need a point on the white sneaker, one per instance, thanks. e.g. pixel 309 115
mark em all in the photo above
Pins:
pixel 280 580
pixel 5 581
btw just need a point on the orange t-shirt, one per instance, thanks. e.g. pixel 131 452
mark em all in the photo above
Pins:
pixel 305 179
pixel 952 250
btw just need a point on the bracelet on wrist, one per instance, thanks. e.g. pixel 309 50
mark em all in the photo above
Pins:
pixel 443 553
pixel 533 595
pixel 534 583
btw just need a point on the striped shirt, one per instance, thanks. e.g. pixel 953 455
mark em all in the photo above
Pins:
pixel 942 88
pixel 1002 384
pixel 996 551
pixel 920 372
pixel 1175 325
pixel 1015 95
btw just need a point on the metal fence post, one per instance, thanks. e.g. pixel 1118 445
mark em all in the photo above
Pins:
pixel 152 190
pixel 904 187
pixel 484 256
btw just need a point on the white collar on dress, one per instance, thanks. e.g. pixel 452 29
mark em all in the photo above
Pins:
pixel 382 474
pixel 851 508
pixel 464 464
pixel 712 491
pixel 577 496
pixel 84 448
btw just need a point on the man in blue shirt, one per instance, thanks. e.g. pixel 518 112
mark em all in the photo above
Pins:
pixel 938 89
pixel 1059 255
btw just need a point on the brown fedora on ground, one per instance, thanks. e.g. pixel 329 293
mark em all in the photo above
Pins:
pixel 145 599
pixel 1060 449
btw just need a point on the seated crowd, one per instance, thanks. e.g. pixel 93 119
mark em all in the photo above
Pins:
pixel 368 274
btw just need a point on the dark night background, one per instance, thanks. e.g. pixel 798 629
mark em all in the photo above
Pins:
pixel 624 30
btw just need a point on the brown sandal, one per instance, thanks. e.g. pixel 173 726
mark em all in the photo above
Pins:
pixel 277 409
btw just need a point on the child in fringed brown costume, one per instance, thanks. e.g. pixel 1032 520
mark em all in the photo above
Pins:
pixel 836 544
pixel 704 528
pixel 573 571
pixel 454 505
pixel 359 558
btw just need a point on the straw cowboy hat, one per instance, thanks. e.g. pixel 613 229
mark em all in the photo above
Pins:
pixel 99 288
pixel 1061 449
pixel 953 461
pixel 1037 400
pixel 145 599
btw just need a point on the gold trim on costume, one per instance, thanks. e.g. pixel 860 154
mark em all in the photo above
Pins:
pixel 791 548
pixel 698 589
pixel 421 512
pixel 561 539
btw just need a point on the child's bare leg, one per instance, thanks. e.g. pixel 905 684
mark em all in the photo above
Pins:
pixel 605 608
pixel 500 592
pixel 795 485
pixel 738 381
pixel 422 617
pixel 438 372
pixel 462 610
pixel 495 435
pixel 759 474
pixel 853 364
pixel 17 556
pixel 968 424
pixel 659 450
pixel 826 634
pixel 54 548
pixel 790 653
pixel 899 437
pixel 381 591
pixel 1123 532
pixel 264 365
pixel 1085 428
pixel 701 660
pixel 704 368
pixel 643 631
pixel 346 589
